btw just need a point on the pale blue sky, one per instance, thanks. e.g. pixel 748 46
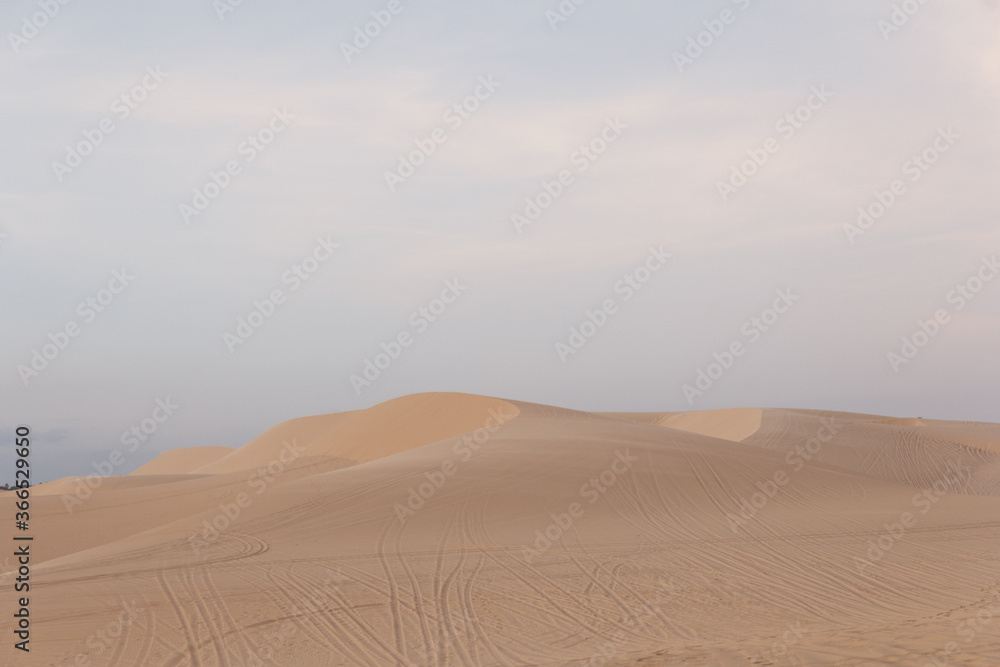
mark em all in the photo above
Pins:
pixel 324 176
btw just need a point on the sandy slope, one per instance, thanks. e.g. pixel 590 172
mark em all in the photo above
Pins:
pixel 421 531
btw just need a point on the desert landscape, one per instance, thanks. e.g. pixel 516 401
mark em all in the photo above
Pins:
pixel 453 529
pixel 517 333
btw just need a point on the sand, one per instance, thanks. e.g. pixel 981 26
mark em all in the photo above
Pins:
pixel 449 529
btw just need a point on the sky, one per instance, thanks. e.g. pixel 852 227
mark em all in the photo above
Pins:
pixel 217 215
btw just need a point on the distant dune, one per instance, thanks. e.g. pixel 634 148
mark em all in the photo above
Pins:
pixel 449 529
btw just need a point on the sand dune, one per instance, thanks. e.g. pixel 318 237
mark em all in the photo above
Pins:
pixel 447 529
